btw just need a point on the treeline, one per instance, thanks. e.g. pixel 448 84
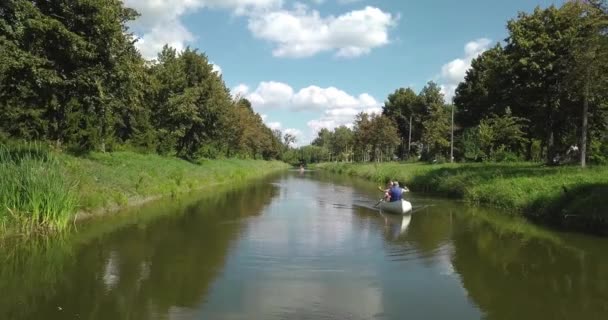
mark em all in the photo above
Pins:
pixel 387 136
pixel 540 96
pixel 71 76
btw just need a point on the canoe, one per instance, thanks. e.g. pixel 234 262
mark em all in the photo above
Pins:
pixel 397 207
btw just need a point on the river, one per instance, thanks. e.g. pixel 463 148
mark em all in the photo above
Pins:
pixel 305 246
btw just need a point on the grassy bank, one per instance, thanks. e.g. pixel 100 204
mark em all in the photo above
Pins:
pixel 42 191
pixel 568 197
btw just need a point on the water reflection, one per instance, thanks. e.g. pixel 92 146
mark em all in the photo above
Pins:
pixel 145 271
pixel 544 276
pixel 307 246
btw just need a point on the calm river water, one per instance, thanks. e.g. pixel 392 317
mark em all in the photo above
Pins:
pixel 305 246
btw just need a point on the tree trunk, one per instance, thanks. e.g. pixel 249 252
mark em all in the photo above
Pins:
pixel 550 146
pixel 409 142
pixel 452 139
pixel 584 129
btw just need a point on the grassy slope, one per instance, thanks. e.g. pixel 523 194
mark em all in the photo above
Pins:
pixel 107 180
pixel 566 196
pixel 41 191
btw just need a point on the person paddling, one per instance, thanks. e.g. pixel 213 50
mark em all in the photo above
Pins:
pixel 396 192
pixel 389 186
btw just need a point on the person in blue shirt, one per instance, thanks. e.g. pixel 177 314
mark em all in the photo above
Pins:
pixel 396 192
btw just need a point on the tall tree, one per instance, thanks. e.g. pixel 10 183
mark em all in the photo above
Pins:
pixel 590 59
pixel 539 51
pixel 400 106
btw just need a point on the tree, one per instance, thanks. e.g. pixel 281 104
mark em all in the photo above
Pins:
pixel 289 139
pixel 64 64
pixel 400 106
pixel 484 90
pixel 192 101
pixel 502 133
pixel 342 141
pixel 539 50
pixel 590 58
pixel 436 131
pixel 363 132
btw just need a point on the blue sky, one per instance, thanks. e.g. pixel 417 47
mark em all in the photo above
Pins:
pixel 311 64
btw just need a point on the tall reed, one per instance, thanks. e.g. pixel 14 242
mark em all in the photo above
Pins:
pixel 34 194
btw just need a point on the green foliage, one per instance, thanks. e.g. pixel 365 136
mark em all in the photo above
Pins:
pixel 552 72
pixel 470 144
pixel 376 137
pixel 373 138
pixel 499 137
pixel 70 75
pixel 40 190
pixel 567 196
pixel 35 195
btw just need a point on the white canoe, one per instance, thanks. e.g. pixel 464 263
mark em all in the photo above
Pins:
pixel 397 207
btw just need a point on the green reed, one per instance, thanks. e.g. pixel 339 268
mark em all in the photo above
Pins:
pixel 35 196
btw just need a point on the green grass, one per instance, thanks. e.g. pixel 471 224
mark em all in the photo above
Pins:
pixel 114 179
pixel 42 191
pixel 34 194
pixel 569 197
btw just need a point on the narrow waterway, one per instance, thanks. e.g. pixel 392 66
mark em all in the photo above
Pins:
pixel 306 246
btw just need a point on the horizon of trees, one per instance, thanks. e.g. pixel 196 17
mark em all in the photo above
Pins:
pixel 540 96
pixel 71 76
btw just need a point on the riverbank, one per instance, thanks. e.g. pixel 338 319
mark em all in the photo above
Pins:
pixel 44 191
pixel 564 197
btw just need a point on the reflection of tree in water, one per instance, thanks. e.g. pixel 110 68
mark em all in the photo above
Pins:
pixel 26 267
pixel 143 271
pixel 512 276
pixel 428 232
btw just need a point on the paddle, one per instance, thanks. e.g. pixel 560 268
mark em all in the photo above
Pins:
pixel 376 205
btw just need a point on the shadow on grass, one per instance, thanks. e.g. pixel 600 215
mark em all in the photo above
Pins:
pixel 583 208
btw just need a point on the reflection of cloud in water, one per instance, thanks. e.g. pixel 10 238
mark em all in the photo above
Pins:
pixel 303 299
pixel 444 259
pixel 177 313
pixel 313 208
pixel 111 273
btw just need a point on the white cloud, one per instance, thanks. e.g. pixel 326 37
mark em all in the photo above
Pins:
pixel 296 133
pixel 271 95
pixel 339 1
pixel 160 23
pixel 172 33
pixel 337 107
pixel 302 32
pixel 298 32
pixel 274 94
pixel 453 73
pixel 216 68
pixel 240 91
pixel 274 125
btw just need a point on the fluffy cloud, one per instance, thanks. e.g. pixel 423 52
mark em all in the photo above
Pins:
pixel 332 119
pixel 299 32
pixel 303 32
pixel 271 95
pixel 274 94
pixel 339 1
pixel 274 125
pixel 172 33
pixel 336 106
pixel 216 68
pixel 160 24
pixel 240 91
pixel 298 134
pixel 453 73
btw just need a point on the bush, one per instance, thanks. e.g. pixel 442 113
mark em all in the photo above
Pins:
pixel 34 193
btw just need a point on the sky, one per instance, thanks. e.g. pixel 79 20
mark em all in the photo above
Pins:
pixel 312 64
